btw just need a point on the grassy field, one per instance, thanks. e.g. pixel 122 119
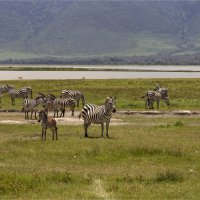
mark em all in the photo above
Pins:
pixel 183 93
pixel 149 157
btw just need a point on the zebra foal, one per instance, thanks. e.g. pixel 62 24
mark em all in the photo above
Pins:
pixel 98 115
pixel 48 122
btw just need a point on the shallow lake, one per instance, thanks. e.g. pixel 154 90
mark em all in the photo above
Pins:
pixel 165 72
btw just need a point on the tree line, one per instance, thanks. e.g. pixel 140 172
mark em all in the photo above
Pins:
pixel 159 59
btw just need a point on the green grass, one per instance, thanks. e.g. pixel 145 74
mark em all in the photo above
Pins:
pixel 137 158
pixel 183 93
pixel 148 158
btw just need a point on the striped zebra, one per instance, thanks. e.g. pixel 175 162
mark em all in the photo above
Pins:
pixel 29 91
pixel 98 115
pixel 30 105
pixel 75 94
pixel 4 89
pixel 21 93
pixel 160 89
pixel 152 96
pixel 61 104
pixel 47 122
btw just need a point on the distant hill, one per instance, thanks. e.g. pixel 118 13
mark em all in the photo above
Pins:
pixel 98 28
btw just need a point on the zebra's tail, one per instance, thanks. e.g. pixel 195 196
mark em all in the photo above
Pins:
pixel 143 96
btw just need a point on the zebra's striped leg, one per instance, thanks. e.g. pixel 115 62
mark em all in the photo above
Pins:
pixel 72 109
pixel 13 101
pixel 158 104
pixel 45 133
pixel 85 128
pixel 107 126
pixel 56 132
pixel 62 114
pixel 42 138
pixel 102 129
pixel 53 133
pixel 31 114
pixel 26 115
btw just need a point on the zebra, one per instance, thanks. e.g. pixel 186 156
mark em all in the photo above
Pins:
pixel 61 103
pixel 21 93
pixel 75 94
pixel 47 122
pixel 160 89
pixel 4 89
pixel 98 115
pixel 30 105
pixel 152 96
pixel 29 91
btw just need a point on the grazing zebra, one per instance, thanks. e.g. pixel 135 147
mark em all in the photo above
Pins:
pixel 75 94
pixel 4 89
pixel 30 105
pixel 47 122
pixel 152 96
pixel 98 115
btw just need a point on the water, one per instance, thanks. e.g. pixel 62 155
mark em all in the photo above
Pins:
pixel 176 72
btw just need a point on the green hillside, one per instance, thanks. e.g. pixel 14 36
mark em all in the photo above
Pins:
pixel 98 28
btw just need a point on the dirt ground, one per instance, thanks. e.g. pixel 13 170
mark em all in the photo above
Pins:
pixel 18 117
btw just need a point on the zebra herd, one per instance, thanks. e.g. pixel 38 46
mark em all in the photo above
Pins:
pixel 90 113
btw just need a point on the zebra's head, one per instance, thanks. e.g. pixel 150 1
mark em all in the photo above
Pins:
pixel 42 116
pixel 40 100
pixel 166 100
pixel 110 104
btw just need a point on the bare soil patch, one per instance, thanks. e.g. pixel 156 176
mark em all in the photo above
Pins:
pixel 18 117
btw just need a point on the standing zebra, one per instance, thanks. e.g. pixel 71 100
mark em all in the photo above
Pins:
pixel 98 115
pixel 61 104
pixel 48 122
pixel 152 96
pixel 21 93
pixel 75 94
pixel 30 105
pixel 29 91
